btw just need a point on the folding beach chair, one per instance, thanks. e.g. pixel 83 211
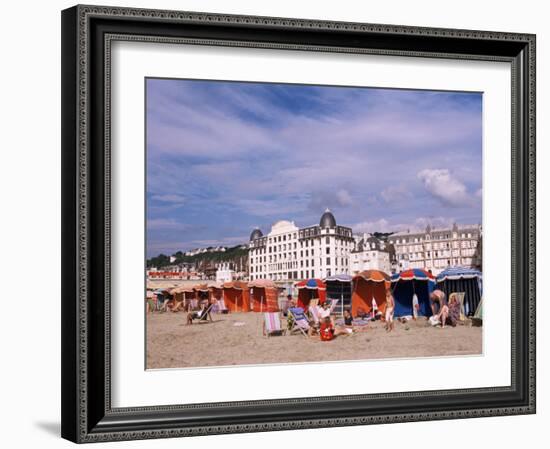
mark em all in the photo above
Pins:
pixel 333 304
pixel 299 320
pixel 460 298
pixel 315 317
pixel 272 324
pixel 203 316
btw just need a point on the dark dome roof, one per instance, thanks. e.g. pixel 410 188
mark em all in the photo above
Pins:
pixel 327 220
pixel 256 234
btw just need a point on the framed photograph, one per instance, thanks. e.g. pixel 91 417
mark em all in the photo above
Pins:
pixel 275 224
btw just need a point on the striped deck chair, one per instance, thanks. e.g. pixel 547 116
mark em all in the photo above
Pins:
pixel 272 324
pixel 299 321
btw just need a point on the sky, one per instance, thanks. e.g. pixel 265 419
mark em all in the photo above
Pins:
pixel 226 157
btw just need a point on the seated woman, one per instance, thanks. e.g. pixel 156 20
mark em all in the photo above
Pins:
pixel 450 313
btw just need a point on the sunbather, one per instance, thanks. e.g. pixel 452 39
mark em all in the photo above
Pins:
pixel 347 327
pixel 199 314
pixel 437 301
pixel 390 306
pixel 450 314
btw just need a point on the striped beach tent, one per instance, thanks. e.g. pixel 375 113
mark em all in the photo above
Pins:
pixel 369 286
pixel 406 284
pixel 339 287
pixel 462 279
pixel 309 289
pixel 264 295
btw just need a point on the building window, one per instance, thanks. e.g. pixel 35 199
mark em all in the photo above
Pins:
pixel 328 260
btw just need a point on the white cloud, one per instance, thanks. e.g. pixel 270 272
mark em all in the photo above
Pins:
pixel 443 186
pixel 170 198
pixel 419 224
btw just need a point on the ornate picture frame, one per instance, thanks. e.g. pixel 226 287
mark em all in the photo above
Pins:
pixel 87 35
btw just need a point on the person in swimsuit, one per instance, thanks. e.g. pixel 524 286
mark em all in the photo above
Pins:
pixel 390 308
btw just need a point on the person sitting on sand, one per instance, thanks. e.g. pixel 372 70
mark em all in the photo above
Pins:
pixel 347 328
pixel 327 330
pixel 198 314
pixel 450 314
pixel 390 306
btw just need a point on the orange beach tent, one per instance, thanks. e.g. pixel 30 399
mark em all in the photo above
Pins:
pixel 236 296
pixel 264 296
pixel 216 291
pixel 201 292
pixel 367 285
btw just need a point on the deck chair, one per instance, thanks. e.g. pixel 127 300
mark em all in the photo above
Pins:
pixel 315 317
pixel 272 324
pixel 299 321
pixel 333 304
pixel 203 316
pixel 460 298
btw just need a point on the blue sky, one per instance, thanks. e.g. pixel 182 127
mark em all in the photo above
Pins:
pixel 225 157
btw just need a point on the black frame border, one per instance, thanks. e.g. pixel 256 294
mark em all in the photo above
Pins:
pixel 87 33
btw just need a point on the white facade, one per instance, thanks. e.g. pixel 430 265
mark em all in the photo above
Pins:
pixel 437 249
pixel 370 253
pixel 292 253
pixel 224 273
pixel 370 260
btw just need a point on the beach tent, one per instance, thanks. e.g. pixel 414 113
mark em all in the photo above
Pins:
pixel 264 295
pixel 309 289
pixel 201 292
pixel 367 286
pixel 462 279
pixel 185 294
pixel 339 287
pixel 407 283
pixel 236 296
pixel 215 290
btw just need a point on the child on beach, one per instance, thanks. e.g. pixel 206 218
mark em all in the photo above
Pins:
pixel 390 306
pixel 327 330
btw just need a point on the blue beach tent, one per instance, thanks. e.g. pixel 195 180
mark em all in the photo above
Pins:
pixel 405 284
pixel 462 279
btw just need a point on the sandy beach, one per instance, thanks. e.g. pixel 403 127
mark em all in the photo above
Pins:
pixel 236 339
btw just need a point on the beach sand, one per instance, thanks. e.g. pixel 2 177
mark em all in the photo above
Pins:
pixel 173 344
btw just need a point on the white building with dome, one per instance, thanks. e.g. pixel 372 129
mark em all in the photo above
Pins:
pixel 288 252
